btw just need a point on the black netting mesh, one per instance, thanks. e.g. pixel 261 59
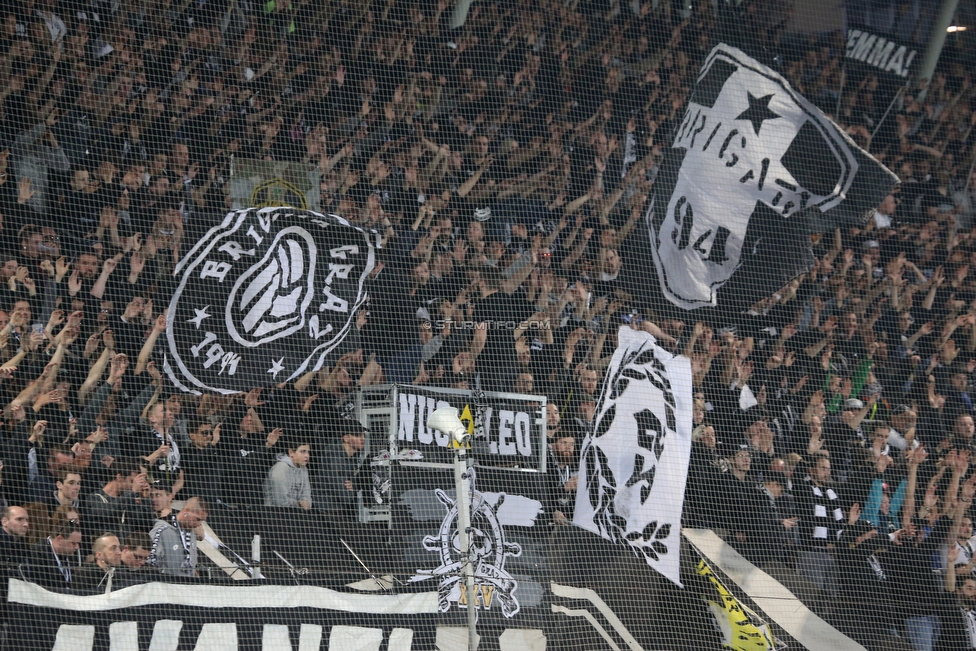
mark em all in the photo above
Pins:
pixel 621 325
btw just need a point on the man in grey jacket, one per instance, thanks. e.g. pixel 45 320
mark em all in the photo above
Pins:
pixel 287 483
pixel 174 539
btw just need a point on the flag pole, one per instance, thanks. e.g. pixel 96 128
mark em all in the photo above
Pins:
pixel 936 41
pixel 462 475
pixel 446 420
pixel 840 91
pixel 883 117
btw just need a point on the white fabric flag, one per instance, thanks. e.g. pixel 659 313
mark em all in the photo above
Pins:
pixel 634 462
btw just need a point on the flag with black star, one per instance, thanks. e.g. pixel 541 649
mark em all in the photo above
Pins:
pixel 753 170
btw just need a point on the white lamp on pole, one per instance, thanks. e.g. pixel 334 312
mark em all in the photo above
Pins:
pixel 446 420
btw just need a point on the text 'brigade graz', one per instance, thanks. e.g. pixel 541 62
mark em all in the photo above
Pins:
pixel 749 150
pixel 265 297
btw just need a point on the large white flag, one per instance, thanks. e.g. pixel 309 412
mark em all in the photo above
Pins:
pixel 634 462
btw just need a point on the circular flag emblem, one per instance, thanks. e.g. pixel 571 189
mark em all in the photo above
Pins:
pixel 265 297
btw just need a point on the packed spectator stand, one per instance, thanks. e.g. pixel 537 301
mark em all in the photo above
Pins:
pixel 504 163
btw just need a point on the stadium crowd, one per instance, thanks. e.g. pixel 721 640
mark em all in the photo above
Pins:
pixel 505 163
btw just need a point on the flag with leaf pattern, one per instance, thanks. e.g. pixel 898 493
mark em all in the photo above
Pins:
pixel 634 462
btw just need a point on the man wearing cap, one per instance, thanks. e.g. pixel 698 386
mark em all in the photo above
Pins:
pixel 872 259
pixel 901 433
pixel 845 427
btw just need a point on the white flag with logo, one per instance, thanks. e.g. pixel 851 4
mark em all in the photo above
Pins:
pixel 753 169
pixel 634 462
pixel 264 297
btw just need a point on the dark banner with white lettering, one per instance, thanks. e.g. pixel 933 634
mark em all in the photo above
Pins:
pixel 907 21
pixel 509 428
pixel 265 297
pixel 870 54
pixel 573 590
pixel 882 53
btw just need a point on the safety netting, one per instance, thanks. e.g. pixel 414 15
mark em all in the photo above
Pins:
pixel 496 324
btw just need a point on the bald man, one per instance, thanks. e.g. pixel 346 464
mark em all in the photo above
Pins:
pixel 13 545
pixel 174 539
pixel 14 523
pixel 98 576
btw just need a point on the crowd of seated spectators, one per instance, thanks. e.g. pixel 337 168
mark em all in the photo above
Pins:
pixel 504 164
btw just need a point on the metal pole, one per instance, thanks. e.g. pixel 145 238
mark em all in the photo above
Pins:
pixel 461 476
pixel 887 111
pixel 460 13
pixel 840 92
pixel 936 42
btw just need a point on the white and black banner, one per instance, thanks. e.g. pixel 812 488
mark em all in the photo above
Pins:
pixel 507 518
pixel 512 425
pixel 754 168
pixel 494 585
pixel 634 463
pixel 181 616
pixel 265 297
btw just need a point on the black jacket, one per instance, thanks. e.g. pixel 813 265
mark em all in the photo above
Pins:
pixel 15 452
pixel 955 628
pixel 13 550
pixel 244 464
pixel 203 471
pixel 48 570
pixel 705 479
pixel 120 515
pixel 865 569
pixel 762 525
pixel 91 579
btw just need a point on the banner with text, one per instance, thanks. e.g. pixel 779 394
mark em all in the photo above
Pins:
pixel 509 428
pixel 881 52
pixel 266 296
